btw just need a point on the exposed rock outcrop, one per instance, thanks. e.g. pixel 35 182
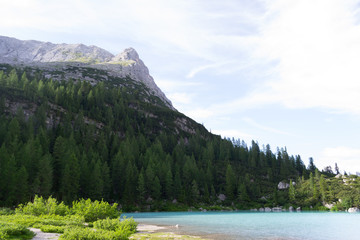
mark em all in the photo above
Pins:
pixel 284 185
pixel 52 57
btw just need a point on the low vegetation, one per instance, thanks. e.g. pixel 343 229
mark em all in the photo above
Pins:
pixel 84 219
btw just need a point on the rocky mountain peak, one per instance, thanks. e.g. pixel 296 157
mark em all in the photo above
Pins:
pixel 49 56
pixel 129 54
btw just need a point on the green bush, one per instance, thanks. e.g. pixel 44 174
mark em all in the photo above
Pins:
pixel 107 224
pixel 91 234
pixel 41 206
pixel 6 211
pixel 334 209
pixel 96 210
pixel 10 230
pixel 126 225
pixel 52 229
pixel 39 221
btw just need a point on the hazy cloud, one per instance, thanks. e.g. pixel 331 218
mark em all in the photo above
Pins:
pixel 347 158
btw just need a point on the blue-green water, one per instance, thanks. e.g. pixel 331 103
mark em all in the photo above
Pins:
pixel 258 225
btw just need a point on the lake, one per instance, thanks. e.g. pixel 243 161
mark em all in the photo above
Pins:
pixel 258 225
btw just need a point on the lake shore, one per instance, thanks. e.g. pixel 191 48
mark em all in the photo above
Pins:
pixel 150 231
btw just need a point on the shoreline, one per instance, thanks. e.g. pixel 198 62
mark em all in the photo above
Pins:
pixel 149 231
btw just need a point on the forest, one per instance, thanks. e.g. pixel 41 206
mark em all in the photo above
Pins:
pixel 73 140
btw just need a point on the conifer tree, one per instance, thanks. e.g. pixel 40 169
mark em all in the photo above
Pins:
pixel 141 188
pixel 292 192
pixel 230 186
pixel 169 185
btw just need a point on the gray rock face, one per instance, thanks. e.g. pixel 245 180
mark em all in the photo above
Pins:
pixel 48 55
pixel 222 197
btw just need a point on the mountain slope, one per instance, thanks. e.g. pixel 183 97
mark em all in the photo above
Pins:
pixel 54 58
pixel 101 134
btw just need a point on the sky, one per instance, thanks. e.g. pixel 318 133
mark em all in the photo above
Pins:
pixel 279 72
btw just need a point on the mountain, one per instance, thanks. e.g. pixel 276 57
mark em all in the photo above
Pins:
pixel 79 122
pixel 52 58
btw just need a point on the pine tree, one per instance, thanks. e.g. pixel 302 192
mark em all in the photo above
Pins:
pixel 230 186
pixel 96 183
pixel 45 176
pixel 141 188
pixel 195 194
pixel 156 188
pixel 70 181
pixel 292 192
pixel 323 188
pixel 169 185
pixel 21 186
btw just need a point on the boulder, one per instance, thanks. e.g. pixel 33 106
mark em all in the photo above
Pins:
pixel 353 210
pixel 291 208
pixel 328 205
pixel 283 185
pixel 277 209
pixel 261 209
pixel 222 197
pixel 267 209
pixel 253 210
pixel 298 209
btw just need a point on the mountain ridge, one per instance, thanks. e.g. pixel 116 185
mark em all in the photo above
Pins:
pixel 51 57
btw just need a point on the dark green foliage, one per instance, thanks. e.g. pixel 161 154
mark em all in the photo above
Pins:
pixel 113 141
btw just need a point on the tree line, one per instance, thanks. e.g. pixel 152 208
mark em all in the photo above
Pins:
pixel 72 140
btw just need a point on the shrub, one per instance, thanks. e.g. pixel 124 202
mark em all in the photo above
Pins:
pixel 91 234
pixel 107 224
pixel 52 229
pixel 9 230
pixel 126 225
pixel 39 221
pixel 96 210
pixel 334 209
pixel 41 206
pixel 6 211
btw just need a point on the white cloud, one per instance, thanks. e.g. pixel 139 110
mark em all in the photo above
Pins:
pixel 174 85
pixel 196 70
pixel 347 158
pixel 179 98
pixel 317 47
pixel 200 114
pixel 263 127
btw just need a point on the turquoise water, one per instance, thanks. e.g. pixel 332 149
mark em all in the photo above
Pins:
pixel 258 225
